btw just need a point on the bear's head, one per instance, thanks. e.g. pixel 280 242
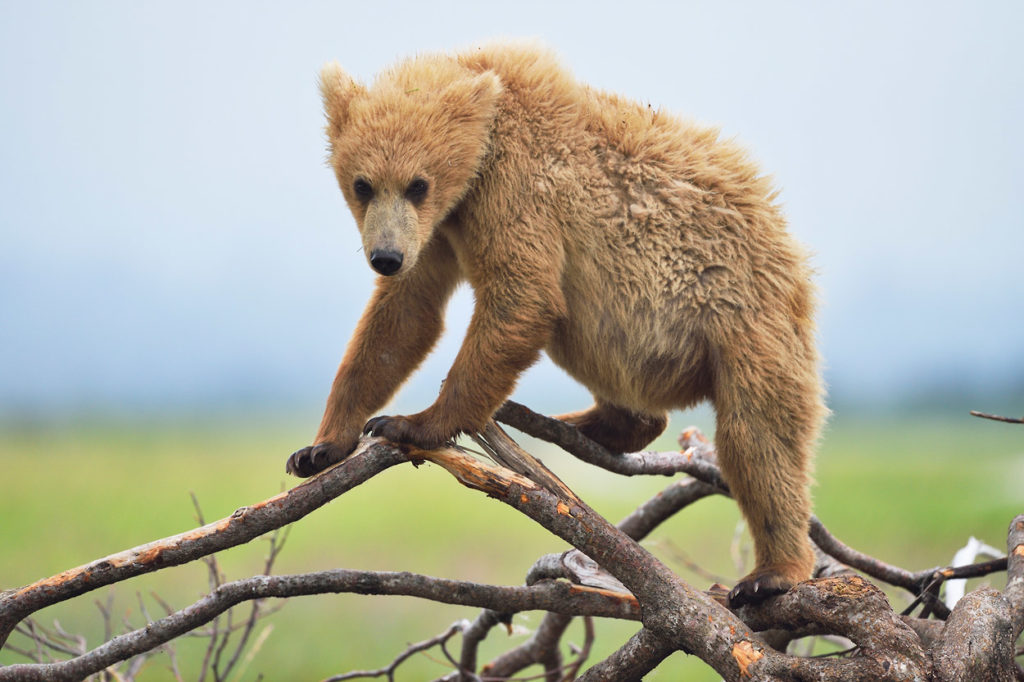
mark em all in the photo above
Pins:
pixel 406 150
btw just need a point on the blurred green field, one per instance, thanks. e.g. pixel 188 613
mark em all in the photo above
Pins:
pixel 908 490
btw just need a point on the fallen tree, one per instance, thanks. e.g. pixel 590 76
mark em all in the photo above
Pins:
pixel 608 574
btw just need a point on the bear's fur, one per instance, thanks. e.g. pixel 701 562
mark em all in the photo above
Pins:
pixel 644 254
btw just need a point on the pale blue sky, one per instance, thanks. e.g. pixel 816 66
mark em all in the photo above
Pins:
pixel 169 233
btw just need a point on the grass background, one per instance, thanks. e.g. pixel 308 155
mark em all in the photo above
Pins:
pixel 908 489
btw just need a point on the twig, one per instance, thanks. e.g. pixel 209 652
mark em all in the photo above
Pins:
pixel 214 580
pixel 254 649
pixel 106 610
pixel 1014 591
pixel 996 417
pixel 78 641
pixel 507 453
pixel 21 652
pixel 681 557
pixel 220 643
pixel 584 653
pixel 44 638
pixel 930 592
pixel 255 612
pixel 389 670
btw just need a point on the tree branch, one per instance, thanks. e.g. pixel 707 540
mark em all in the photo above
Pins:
pixel 557 597
pixel 474 633
pixel 389 670
pixel 245 524
pixel 1014 592
pixel 674 616
pixel 541 648
pixel 692 461
pixel 637 657
pixel 996 417
pixel 698 460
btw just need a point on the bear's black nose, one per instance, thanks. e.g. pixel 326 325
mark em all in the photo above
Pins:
pixel 385 261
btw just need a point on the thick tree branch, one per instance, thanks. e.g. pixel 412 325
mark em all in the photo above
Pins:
pixel 543 646
pixel 637 657
pixel 851 607
pixel 684 617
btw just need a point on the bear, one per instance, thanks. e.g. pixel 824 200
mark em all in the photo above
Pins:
pixel 644 254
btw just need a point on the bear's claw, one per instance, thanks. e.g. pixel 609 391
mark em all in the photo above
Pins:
pixel 757 587
pixel 313 459
pixel 414 430
pixel 376 425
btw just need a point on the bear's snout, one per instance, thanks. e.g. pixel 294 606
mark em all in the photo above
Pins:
pixel 386 261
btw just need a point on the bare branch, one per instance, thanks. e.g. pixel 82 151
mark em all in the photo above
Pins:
pixel 546 596
pixel 677 496
pixel 389 670
pixel 245 524
pixel 474 634
pixel 634 584
pixel 584 653
pixel 687 618
pixel 852 607
pixel 893 575
pixel 506 453
pixel 697 460
pixel 541 648
pixel 45 640
pixel 572 441
pixel 977 641
pixel 996 417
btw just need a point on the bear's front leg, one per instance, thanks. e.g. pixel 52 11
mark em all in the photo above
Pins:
pixel 512 322
pixel 399 327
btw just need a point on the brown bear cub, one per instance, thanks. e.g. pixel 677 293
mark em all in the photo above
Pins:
pixel 644 254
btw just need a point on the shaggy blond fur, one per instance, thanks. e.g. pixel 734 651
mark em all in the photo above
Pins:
pixel 643 253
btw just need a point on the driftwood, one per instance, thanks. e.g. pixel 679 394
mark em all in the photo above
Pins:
pixel 607 574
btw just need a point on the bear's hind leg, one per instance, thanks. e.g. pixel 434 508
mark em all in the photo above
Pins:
pixel 768 404
pixel 619 430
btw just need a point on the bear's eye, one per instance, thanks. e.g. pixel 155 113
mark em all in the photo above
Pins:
pixel 416 192
pixel 362 189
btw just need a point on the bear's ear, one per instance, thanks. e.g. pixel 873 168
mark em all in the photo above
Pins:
pixel 337 89
pixel 474 98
